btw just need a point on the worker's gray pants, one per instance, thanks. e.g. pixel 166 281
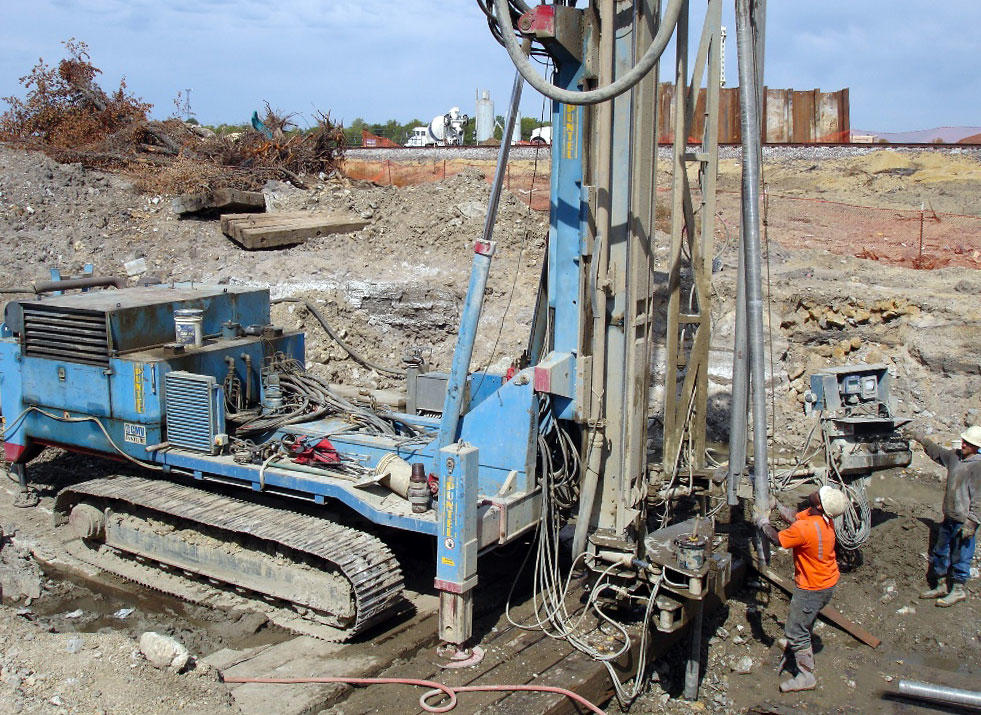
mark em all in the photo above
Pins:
pixel 804 607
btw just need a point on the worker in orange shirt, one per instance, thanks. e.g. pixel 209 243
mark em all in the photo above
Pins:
pixel 811 535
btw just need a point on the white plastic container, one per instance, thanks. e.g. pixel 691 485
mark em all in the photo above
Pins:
pixel 187 326
pixel 394 472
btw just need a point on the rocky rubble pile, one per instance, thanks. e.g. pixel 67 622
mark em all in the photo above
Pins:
pixel 845 312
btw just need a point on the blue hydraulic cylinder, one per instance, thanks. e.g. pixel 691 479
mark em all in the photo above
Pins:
pixel 455 387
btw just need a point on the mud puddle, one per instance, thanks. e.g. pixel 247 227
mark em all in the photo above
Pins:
pixel 71 603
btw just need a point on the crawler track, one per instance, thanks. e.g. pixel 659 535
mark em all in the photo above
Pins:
pixel 369 568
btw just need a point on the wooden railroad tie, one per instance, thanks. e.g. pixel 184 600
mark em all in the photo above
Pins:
pixel 275 230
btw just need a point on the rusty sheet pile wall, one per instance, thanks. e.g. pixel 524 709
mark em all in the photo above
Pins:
pixel 789 116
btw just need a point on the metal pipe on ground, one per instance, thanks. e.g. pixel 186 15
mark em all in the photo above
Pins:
pixel 750 125
pixel 68 284
pixel 940 694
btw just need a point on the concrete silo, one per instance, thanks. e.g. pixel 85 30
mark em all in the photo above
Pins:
pixel 485 116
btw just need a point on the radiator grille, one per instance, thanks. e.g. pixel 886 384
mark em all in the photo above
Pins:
pixel 66 334
pixel 189 404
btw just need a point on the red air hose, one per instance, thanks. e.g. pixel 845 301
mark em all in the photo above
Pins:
pixel 435 689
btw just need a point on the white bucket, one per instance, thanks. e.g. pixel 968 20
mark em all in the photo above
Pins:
pixel 187 326
pixel 394 472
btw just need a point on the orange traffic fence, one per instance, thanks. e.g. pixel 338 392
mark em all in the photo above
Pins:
pixel 527 180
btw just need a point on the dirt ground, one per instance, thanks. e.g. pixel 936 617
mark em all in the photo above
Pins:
pixel 400 283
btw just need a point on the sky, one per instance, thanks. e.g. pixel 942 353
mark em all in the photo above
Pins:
pixel 910 64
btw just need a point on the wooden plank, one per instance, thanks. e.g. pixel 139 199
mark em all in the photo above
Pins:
pixel 501 647
pixel 238 229
pixel 227 219
pixel 286 229
pixel 523 658
pixel 274 218
pixel 233 225
pixel 295 658
pixel 832 615
pixel 512 655
pixel 274 237
pixel 587 677
pixel 228 200
pixel 305 657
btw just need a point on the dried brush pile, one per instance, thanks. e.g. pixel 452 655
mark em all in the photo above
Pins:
pixel 69 117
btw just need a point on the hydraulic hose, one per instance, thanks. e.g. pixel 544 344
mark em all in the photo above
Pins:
pixel 664 33
pixel 356 356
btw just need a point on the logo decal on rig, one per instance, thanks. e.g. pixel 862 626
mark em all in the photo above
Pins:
pixel 570 131
pixel 138 391
pixel 135 434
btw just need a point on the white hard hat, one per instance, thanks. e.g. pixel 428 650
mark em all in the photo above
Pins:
pixel 833 501
pixel 972 435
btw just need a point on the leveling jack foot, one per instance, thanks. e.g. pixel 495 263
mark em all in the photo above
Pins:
pixel 28 495
pixel 26 498
pixel 457 657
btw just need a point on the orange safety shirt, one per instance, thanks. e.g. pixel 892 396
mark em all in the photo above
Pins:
pixel 812 537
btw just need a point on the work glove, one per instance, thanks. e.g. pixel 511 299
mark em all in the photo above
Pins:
pixel 785 512
pixel 968 529
pixel 762 522
pixel 911 432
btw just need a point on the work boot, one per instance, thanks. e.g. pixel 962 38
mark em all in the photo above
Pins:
pixel 938 591
pixel 805 679
pixel 956 595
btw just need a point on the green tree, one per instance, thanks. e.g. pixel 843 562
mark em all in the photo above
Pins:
pixel 530 124
pixel 352 132
pixel 224 129
pixel 499 121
